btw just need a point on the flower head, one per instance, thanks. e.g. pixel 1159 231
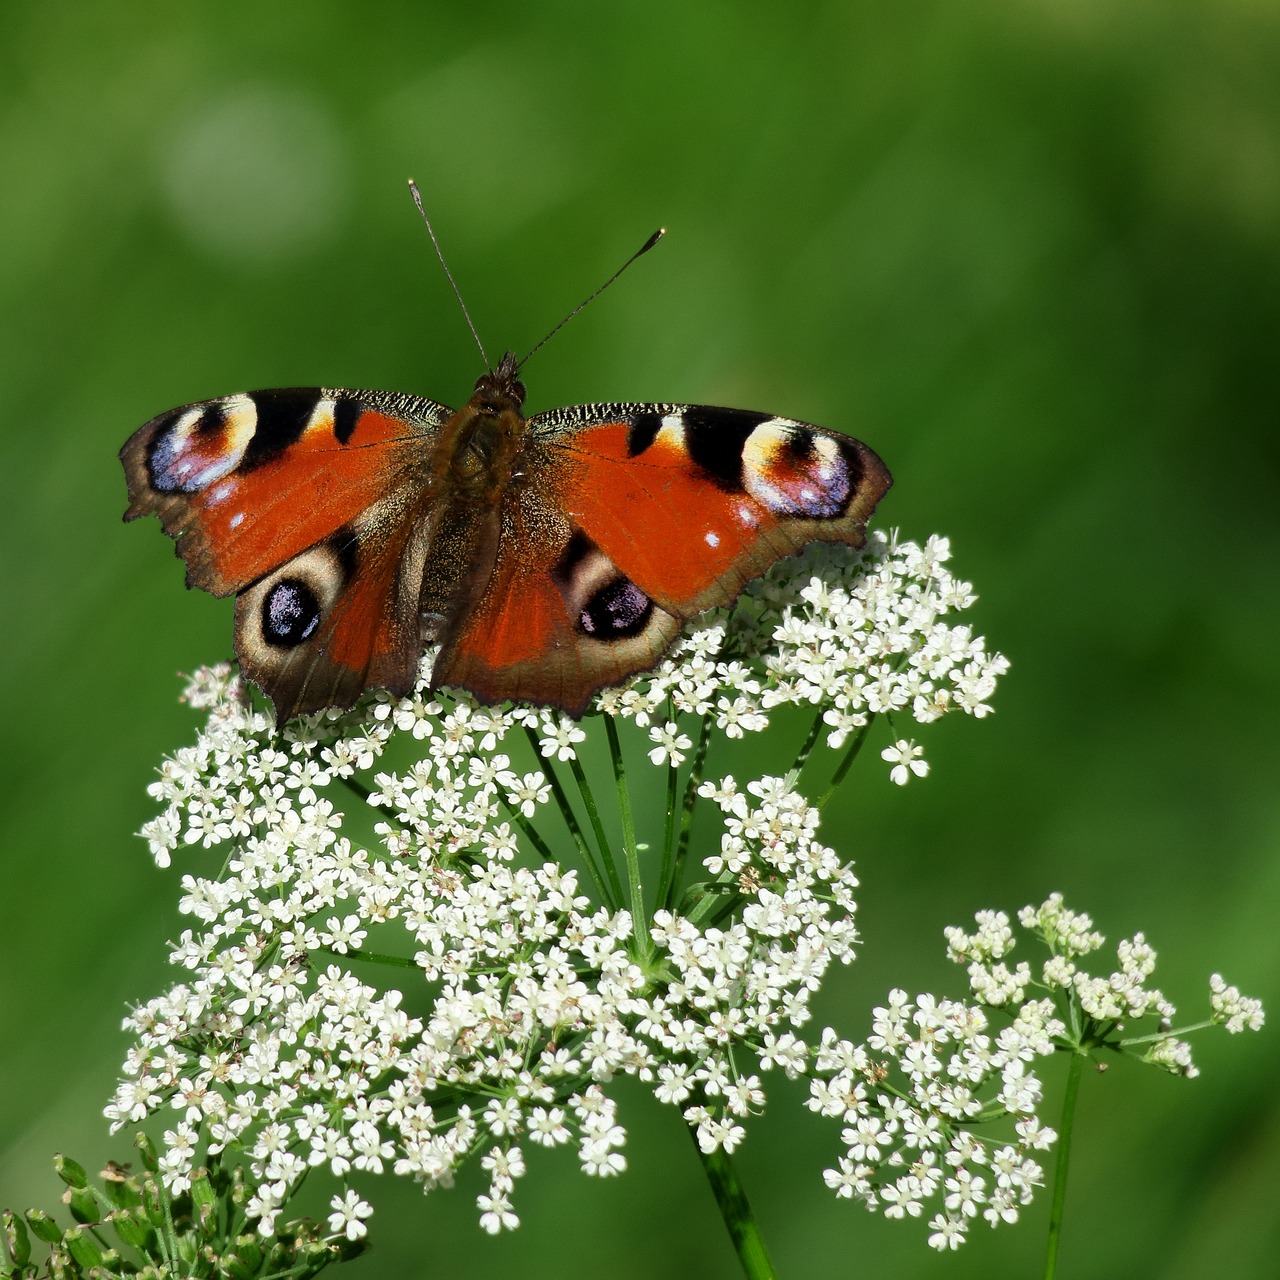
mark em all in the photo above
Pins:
pixel 521 972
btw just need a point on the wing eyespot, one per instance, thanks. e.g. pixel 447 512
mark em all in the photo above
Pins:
pixel 617 611
pixel 290 613
pixel 284 610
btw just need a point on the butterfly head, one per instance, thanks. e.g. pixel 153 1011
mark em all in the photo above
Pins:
pixel 501 389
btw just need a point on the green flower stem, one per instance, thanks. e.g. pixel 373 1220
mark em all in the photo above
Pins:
pixel 735 1209
pixel 1174 1033
pixel 1074 1072
pixel 593 810
pixel 527 829
pixel 802 756
pixel 575 828
pixel 169 1235
pixel 850 756
pixel 639 917
pixel 669 832
pixel 373 957
pixel 670 886
pixel 356 787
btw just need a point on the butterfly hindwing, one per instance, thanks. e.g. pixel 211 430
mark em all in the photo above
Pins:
pixel 342 616
pixel 557 620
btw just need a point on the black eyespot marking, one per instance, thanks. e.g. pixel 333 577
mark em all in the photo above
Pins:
pixel 715 439
pixel 617 611
pixel 282 418
pixel 290 613
pixel 643 432
pixel 346 413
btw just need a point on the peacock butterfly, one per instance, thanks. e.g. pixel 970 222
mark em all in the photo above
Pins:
pixel 549 557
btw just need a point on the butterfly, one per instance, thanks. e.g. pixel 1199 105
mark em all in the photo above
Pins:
pixel 548 557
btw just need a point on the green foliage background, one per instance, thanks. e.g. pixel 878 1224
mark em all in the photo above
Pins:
pixel 1026 248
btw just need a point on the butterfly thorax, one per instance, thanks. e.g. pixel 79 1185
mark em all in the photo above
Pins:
pixel 475 458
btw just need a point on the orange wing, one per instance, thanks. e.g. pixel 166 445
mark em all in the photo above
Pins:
pixel 246 482
pixel 314 507
pixel 691 503
pixel 631 518
pixel 556 620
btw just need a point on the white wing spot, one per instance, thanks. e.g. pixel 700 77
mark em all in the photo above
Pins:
pixel 671 432
pixel 712 538
pixel 321 419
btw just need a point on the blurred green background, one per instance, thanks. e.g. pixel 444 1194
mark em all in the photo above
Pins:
pixel 1027 249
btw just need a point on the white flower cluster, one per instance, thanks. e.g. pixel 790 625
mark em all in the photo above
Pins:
pixel 853 634
pixel 527 995
pixel 910 1097
pixel 932 1069
pixel 1119 999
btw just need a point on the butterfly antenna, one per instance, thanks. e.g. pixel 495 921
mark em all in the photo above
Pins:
pixel 643 249
pixel 457 293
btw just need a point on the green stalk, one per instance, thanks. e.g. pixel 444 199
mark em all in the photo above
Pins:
pixel 850 755
pixel 575 828
pixel 668 833
pixel 373 957
pixel 735 1209
pixel 593 810
pixel 1074 1073
pixel 357 788
pixel 639 917
pixel 802 756
pixel 672 871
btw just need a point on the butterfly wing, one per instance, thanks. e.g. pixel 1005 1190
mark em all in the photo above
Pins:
pixel 244 483
pixel 556 620
pixel 313 506
pixel 631 518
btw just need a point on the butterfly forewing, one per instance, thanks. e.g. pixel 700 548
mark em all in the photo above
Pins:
pixel 305 502
pixel 246 482
pixel 691 502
